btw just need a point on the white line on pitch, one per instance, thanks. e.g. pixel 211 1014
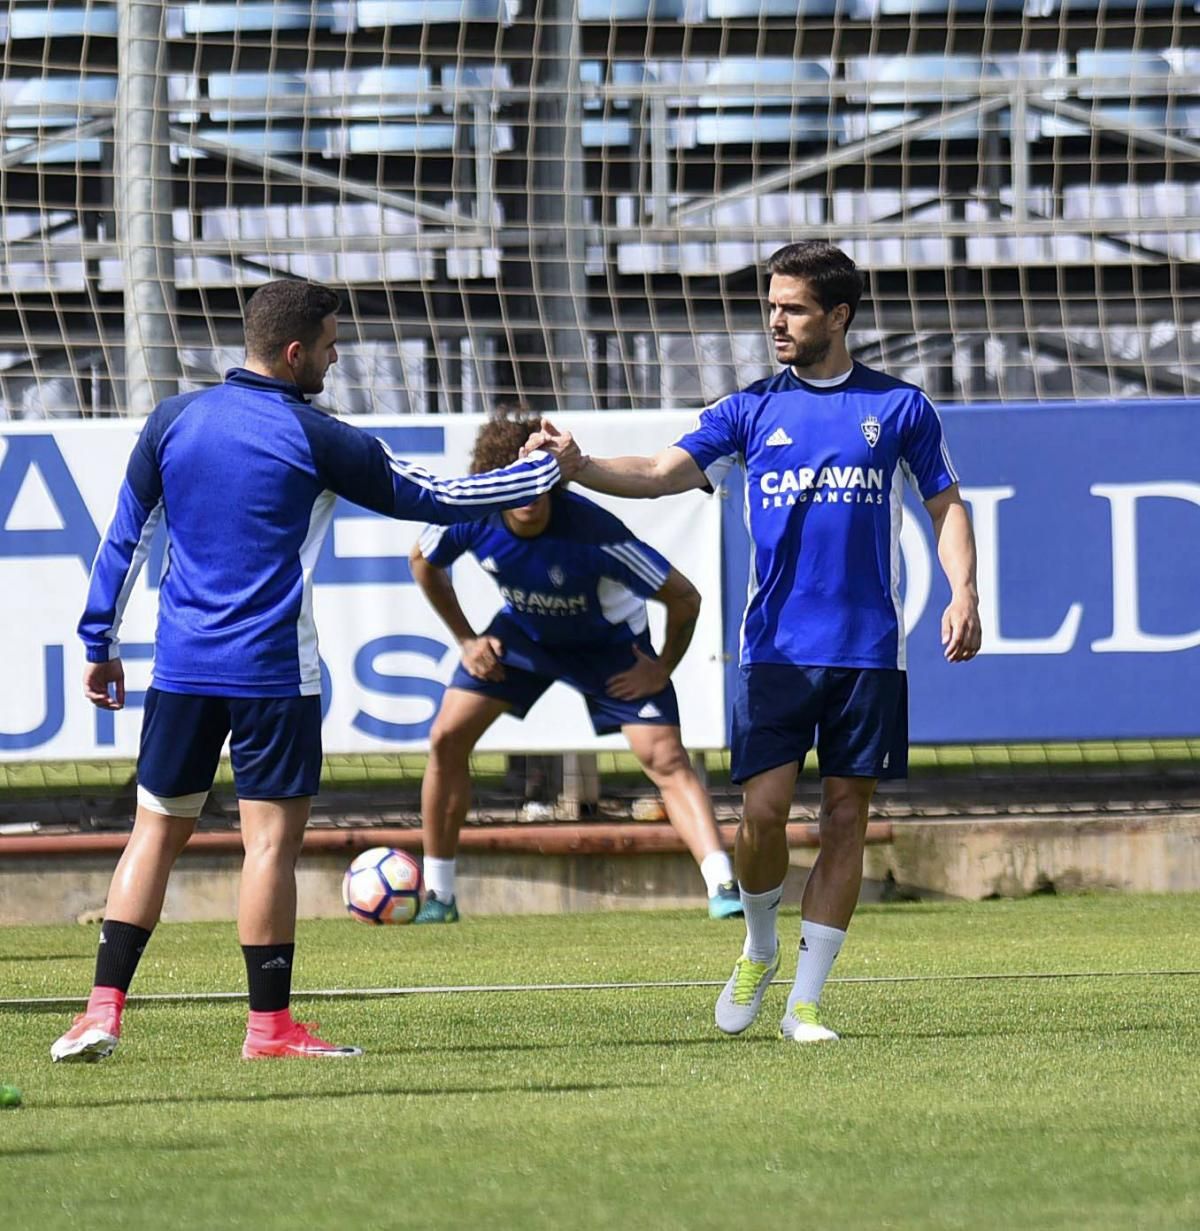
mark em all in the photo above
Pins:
pixel 368 993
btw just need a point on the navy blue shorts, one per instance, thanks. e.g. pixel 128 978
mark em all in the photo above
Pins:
pixel 859 717
pixel 530 668
pixel 275 744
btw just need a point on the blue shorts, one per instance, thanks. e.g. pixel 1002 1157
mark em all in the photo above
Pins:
pixel 275 746
pixel 859 717
pixel 531 667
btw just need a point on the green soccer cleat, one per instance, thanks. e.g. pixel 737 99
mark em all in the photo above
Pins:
pixel 434 910
pixel 742 997
pixel 802 1025
pixel 726 903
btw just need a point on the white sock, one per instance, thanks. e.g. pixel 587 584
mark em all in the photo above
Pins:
pixel 761 910
pixel 819 947
pixel 439 877
pixel 716 870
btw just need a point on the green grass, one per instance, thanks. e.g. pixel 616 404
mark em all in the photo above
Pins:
pixel 1039 1103
pixel 368 771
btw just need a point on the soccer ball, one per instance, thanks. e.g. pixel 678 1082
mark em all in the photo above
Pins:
pixel 382 886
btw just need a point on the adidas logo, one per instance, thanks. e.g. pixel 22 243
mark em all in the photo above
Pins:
pixel 489 565
pixel 103 939
pixel 649 710
pixel 779 437
pixel 276 963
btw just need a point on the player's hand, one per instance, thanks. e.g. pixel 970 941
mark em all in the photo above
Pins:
pixel 481 658
pixel 98 678
pixel 560 445
pixel 646 677
pixel 961 632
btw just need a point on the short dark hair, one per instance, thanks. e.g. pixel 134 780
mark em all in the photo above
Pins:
pixel 286 311
pixel 833 276
pixel 498 442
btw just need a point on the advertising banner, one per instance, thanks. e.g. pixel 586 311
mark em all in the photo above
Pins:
pixel 386 654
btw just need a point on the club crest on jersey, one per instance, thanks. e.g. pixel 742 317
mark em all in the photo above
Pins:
pixel 556 575
pixel 870 429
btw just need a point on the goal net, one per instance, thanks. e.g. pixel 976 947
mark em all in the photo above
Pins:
pixel 569 202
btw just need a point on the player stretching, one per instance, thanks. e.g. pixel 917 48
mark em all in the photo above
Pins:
pixel 245 476
pixel 826 445
pixel 574 582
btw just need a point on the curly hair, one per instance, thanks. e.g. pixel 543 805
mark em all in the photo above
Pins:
pixel 498 442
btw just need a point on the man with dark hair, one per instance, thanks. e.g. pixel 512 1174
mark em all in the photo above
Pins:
pixel 575 583
pixel 283 326
pixel 245 475
pixel 825 445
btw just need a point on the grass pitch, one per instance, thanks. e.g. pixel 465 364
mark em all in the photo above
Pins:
pixel 1065 1102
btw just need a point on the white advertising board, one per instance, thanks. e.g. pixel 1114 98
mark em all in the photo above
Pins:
pixel 388 657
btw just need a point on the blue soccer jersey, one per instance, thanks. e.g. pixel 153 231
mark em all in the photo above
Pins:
pixel 245 476
pixel 583 580
pixel 824 467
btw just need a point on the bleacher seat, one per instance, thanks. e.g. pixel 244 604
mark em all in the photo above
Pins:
pixel 370 14
pixel 753 9
pixel 251 17
pixel 630 10
pixel 97 21
pixel 288 93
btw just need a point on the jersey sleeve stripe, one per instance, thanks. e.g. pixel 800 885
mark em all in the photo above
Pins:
pixel 533 477
pixel 138 557
pixel 945 448
pixel 430 537
pixel 637 563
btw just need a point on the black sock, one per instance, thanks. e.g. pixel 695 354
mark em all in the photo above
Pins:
pixel 121 948
pixel 269 975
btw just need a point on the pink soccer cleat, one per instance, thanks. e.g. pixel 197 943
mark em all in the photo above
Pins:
pixel 92 1037
pixel 294 1043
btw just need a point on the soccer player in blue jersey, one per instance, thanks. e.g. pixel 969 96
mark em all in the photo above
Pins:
pixel 244 476
pixel 575 583
pixel 826 445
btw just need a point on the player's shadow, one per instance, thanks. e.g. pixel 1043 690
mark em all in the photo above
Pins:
pixel 46 957
pixel 73 1148
pixel 290 1096
pixel 484 1049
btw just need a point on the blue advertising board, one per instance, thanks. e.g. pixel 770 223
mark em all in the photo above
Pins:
pixel 1087 517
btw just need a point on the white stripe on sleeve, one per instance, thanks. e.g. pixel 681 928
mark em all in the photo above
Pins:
pixel 431 536
pixel 637 563
pixel 529 479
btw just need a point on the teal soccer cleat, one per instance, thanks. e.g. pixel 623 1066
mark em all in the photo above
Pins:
pixel 434 910
pixel 726 903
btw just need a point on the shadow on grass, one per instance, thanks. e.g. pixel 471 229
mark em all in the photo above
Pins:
pixel 290 1096
pixel 1018 1029
pixel 47 957
pixel 178 1147
pixel 459 1049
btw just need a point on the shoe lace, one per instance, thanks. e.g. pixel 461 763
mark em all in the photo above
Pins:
pixel 747 974
pixel 805 1014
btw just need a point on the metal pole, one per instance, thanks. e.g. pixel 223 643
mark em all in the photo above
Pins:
pixel 559 281
pixel 143 207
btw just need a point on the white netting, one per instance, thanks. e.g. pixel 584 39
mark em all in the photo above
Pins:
pixel 568 201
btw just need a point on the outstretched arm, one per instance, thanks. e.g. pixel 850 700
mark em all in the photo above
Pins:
pixel 961 633
pixel 358 466
pixel 649 675
pixel 664 474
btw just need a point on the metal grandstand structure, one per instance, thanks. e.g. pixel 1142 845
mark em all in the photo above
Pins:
pixel 569 201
